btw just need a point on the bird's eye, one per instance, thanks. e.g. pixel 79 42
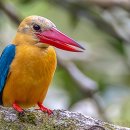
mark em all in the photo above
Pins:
pixel 36 27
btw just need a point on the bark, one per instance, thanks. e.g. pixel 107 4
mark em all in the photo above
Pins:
pixel 59 120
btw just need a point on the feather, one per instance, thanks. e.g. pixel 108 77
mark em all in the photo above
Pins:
pixel 5 62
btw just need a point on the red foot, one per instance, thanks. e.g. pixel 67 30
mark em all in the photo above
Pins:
pixel 17 107
pixel 44 109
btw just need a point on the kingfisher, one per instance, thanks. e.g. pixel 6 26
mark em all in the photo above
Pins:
pixel 28 63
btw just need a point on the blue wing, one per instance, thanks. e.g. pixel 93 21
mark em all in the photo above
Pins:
pixel 5 61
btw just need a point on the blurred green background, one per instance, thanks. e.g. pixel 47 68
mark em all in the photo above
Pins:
pixel 103 70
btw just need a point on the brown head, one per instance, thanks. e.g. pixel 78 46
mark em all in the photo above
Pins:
pixel 41 32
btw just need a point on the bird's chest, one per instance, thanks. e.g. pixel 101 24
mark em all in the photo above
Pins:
pixel 30 75
pixel 35 65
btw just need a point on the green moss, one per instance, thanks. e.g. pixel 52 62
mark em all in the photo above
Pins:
pixel 35 120
pixel 12 126
pixel 107 126
pixel 28 118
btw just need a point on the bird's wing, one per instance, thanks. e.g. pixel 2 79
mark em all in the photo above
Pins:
pixel 5 60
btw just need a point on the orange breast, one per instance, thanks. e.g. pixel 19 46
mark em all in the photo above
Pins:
pixel 30 75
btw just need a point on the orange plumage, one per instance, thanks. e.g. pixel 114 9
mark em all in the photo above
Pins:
pixel 30 76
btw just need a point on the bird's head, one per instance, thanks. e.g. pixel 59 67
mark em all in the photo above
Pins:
pixel 39 31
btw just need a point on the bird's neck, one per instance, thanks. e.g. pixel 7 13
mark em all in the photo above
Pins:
pixel 22 38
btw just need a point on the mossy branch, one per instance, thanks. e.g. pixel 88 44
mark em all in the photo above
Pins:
pixel 59 120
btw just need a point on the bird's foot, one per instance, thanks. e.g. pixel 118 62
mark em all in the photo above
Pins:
pixel 44 109
pixel 17 107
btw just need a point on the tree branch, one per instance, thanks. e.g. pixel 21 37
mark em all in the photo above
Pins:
pixel 86 84
pixel 83 9
pixel 59 120
pixel 107 3
pixel 8 10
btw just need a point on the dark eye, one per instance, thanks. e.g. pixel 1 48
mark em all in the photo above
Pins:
pixel 36 27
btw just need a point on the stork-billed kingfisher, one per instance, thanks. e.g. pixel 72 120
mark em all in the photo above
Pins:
pixel 27 65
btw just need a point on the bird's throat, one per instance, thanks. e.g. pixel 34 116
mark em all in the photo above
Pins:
pixel 42 45
pixel 25 39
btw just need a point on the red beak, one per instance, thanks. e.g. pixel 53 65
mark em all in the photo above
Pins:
pixel 56 38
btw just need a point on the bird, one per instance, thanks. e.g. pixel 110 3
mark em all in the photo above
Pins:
pixel 28 63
